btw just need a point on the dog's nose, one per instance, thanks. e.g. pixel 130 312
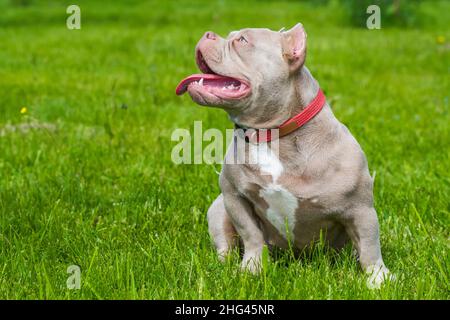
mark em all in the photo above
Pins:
pixel 210 35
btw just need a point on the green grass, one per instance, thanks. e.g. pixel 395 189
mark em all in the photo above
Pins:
pixel 93 184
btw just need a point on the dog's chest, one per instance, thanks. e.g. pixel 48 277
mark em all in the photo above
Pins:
pixel 279 204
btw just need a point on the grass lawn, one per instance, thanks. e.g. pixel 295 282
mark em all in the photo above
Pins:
pixel 86 176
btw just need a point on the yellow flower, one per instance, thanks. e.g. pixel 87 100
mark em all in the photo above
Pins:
pixel 23 110
pixel 440 39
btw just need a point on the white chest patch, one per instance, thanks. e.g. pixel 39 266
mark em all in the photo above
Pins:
pixel 282 204
pixel 267 160
pixel 281 211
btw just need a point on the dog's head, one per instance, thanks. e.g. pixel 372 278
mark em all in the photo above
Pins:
pixel 251 68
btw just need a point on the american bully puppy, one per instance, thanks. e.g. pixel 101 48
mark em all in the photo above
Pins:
pixel 316 179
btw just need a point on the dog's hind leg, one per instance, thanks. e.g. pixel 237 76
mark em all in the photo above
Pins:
pixel 364 230
pixel 221 229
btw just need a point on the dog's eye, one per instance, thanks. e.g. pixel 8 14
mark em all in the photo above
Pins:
pixel 242 39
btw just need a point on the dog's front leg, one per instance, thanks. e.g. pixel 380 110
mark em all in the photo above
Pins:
pixel 245 222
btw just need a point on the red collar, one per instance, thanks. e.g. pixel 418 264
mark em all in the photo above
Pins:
pixel 292 124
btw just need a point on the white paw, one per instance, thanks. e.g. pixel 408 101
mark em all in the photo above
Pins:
pixel 251 263
pixel 223 254
pixel 378 274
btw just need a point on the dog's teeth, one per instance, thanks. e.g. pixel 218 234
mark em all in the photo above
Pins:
pixel 201 82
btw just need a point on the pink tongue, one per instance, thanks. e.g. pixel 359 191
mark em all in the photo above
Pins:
pixel 182 86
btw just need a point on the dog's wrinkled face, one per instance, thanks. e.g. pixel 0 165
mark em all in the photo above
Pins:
pixel 246 69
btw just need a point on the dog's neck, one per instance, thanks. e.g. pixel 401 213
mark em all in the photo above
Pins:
pixel 304 89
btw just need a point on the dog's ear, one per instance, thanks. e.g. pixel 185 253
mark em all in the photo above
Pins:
pixel 293 44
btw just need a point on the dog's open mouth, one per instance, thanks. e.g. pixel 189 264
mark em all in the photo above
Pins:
pixel 211 83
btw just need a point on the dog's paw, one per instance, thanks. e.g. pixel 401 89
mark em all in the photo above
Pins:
pixel 252 264
pixel 378 274
pixel 223 254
